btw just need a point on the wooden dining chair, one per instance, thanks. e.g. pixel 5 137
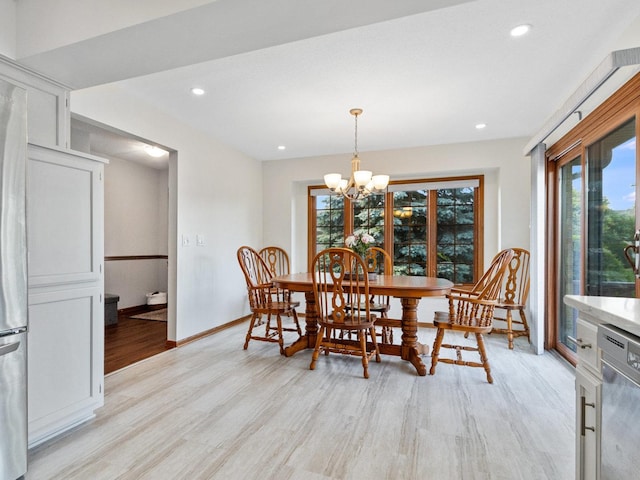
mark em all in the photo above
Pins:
pixel 265 299
pixel 379 261
pixel 513 297
pixel 341 290
pixel 277 261
pixel 471 311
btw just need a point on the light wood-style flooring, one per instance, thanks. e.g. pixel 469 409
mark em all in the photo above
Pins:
pixel 210 410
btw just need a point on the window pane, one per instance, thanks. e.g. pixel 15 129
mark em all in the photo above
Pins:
pixel 570 192
pixel 368 216
pixel 329 221
pixel 611 173
pixel 456 234
pixel 410 232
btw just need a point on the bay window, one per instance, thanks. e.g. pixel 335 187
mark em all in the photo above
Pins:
pixel 430 227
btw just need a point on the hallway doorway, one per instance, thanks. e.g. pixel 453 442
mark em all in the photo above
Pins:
pixel 136 239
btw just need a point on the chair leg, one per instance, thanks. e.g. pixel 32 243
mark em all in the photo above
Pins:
pixel 483 357
pixel 372 332
pixel 295 319
pixel 509 320
pixel 329 333
pixel 316 350
pixel 436 350
pixel 280 337
pixel 267 326
pixel 362 335
pixel 254 317
pixel 523 317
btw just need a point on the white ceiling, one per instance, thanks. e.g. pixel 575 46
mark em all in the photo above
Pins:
pixel 425 76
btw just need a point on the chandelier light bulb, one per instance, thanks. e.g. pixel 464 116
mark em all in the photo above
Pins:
pixel 332 180
pixel 380 182
pixel 362 177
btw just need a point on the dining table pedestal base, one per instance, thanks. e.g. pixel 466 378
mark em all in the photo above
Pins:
pixel 408 289
pixel 411 350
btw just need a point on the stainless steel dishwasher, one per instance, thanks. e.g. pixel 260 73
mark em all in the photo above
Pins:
pixel 620 427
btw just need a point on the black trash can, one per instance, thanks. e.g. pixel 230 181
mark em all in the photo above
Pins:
pixel 111 309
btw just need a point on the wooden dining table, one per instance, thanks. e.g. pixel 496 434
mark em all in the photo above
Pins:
pixel 408 289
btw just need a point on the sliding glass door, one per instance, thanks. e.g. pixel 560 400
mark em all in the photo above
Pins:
pixel 593 223
pixel 595 207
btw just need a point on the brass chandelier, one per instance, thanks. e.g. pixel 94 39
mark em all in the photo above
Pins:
pixel 361 183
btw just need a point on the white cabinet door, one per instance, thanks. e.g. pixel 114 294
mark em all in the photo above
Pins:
pixel 65 360
pixel 65 217
pixel 65 212
pixel 588 420
pixel 47 104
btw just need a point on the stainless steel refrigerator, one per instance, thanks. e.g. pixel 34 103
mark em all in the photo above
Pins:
pixel 13 282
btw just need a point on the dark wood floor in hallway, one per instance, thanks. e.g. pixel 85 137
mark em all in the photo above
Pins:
pixel 132 340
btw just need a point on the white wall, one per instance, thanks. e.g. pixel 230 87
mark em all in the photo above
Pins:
pixel 135 223
pixel 507 188
pixel 8 28
pixel 210 289
pixel 507 193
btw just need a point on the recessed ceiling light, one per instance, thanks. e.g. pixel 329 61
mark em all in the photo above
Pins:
pixel 154 151
pixel 281 147
pixel 480 126
pixel 520 30
pixel 197 91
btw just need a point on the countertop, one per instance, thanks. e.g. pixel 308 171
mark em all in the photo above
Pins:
pixel 624 313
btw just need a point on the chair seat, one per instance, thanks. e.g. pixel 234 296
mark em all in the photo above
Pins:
pixel 509 306
pixel 375 307
pixel 276 307
pixel 378 307
pixel 356 324
pixel 462 328
pixel 443 322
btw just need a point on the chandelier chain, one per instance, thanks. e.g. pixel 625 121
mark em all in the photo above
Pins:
pixel 355 143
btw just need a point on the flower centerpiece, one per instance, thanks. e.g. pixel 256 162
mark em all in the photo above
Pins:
pixel 359 242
